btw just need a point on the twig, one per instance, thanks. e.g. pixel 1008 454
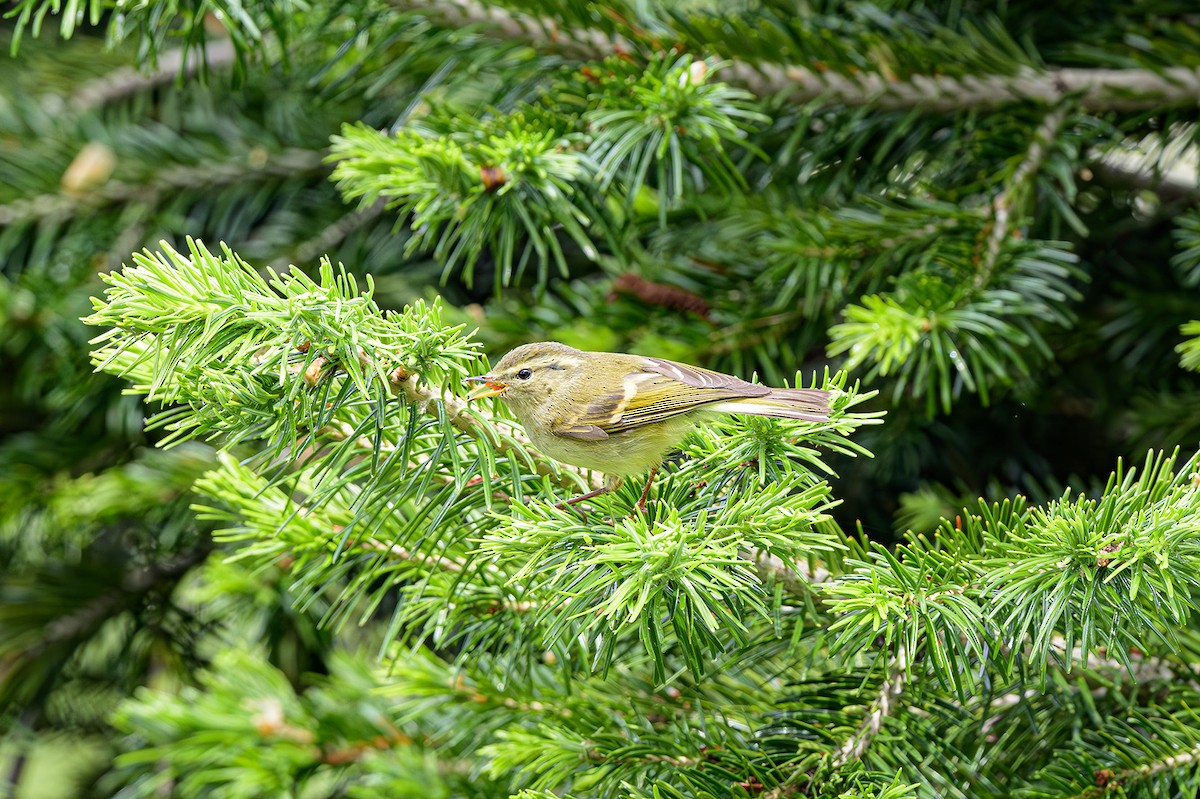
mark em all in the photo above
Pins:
pixel 1096 89
pixel 1002 206
pixel 510 24
pixel 335 233
pixel 796 578
pixel 397 552
pixel 881 708
pixel 1185 758
pixel 1109 172
pixel 121 83
pixel 1109 782
pixel 424 399
pixel 286 163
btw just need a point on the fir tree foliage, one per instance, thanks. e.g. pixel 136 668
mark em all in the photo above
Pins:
pixel 252 30
pixel 374 461
pixel 270 734
pixel 99 551
pixel 971 308
pixel 1005 596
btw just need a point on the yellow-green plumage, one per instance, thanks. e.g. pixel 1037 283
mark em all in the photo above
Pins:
pixel 620 414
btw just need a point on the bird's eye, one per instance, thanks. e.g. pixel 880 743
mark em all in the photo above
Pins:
pixel 524 374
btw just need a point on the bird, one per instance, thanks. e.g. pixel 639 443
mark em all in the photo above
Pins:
pixel 620 414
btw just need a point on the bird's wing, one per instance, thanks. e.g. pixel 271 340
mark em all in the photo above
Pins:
pixel 659 391
pixel 582 432
pixel 705 378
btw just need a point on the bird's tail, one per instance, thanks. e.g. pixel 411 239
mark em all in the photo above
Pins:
pixel 809 404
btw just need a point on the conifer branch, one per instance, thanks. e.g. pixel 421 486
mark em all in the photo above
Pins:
pixel 423 398
pixel 1002 205
pixel 335 233
pixel 728 638
pixel 287 163
pixel 881 708
pixel 1109 172
pixel 796 578
pixel 1096 90
pixel 87 619
pixel 180 63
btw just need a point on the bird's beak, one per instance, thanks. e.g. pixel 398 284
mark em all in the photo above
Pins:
pixel 490 388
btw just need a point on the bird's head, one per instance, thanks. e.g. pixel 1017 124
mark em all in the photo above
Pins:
pixel 530 376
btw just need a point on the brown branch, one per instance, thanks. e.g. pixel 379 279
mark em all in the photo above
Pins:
pixel 1096 89
pixel 660 294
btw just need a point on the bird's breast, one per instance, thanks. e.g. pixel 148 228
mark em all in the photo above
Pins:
pixel 624 454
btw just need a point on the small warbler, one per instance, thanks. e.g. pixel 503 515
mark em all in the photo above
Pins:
pixel 620 414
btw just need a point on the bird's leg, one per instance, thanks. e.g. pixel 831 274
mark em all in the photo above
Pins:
pixel 646 491
pixel 610 484
pixel 567 502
